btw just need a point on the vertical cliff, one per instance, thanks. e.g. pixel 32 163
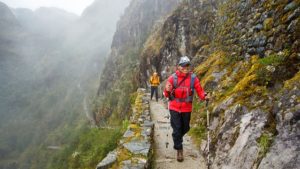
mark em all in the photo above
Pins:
pixel 120 75
pixel 185 32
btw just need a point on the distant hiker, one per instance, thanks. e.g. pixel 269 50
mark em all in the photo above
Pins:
pixel 154 82
pixel 179 89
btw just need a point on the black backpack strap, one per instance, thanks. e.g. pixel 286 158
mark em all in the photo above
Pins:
pixel 175 79
pixel 192 88
pixel 193 77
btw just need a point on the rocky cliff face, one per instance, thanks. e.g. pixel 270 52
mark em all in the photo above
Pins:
pixel 246 54
pixel 190 27
pixel 120 75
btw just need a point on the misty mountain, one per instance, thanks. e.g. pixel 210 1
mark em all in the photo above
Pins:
pixel 45 21
pixel 49 74
pixel 11 34
pixel 7 19
pixel 89 29
pixel 10 27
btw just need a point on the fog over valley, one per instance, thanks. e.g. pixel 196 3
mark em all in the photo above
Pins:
pixel 50 65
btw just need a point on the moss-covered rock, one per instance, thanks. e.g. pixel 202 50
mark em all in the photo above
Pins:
pixel 268 24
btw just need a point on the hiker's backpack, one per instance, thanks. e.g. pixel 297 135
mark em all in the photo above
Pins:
pixel 192 88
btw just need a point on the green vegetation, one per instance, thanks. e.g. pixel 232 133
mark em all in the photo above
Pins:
pixel 275 68
pixel 274 60
pixel 86 149
pixel 264 142
pixel 198 133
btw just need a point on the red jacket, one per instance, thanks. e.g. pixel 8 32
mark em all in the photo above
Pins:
pixel 182 91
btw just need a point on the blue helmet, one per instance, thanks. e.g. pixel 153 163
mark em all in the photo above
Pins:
pixel 184 60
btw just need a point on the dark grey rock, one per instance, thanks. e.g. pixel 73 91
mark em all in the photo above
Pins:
pixel 146 132
pixel 263 17
pixel 244 151
pixel 223 106
pixel 214 123
pixel 279 43
pixel 284 152
pixel 251 51
pixel 262 41
pixel 288 116
pixel 148 123
pixel 135 163
pixel 128 133
pixel 294 15
pixel 290 6
pixel 271 40
pixel 218 75
pixel 108 161
pixel 138 147
pixel 293 26
pixel 269 46
pixel 243 31
pixel 261 51
pixel 258 27
pixel 259 41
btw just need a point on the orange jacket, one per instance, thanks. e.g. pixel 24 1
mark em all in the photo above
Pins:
pixel 154 80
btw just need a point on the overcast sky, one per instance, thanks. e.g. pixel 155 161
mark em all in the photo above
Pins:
pixel 75 6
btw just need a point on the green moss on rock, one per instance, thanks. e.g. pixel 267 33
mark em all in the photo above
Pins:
pixel 293 82
pixel 268 24
pixel 264 142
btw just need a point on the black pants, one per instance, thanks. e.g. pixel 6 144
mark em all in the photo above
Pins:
pixel 180 123
pixel 154 89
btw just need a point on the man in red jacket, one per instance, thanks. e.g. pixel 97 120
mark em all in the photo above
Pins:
pixel 179 89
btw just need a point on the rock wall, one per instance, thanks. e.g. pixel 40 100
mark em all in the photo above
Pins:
pixel 135 149
pixel 190 27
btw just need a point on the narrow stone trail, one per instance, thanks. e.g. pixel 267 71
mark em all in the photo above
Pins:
pixel 165 157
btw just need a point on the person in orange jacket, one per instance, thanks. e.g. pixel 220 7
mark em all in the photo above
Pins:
pixel 154 82
pixel 180 88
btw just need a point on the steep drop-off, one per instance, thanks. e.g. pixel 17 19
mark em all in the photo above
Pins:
pixel 49 69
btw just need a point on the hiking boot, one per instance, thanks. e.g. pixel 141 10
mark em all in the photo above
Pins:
pixel 179 155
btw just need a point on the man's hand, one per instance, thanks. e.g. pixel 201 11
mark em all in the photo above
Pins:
pixel 168 86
